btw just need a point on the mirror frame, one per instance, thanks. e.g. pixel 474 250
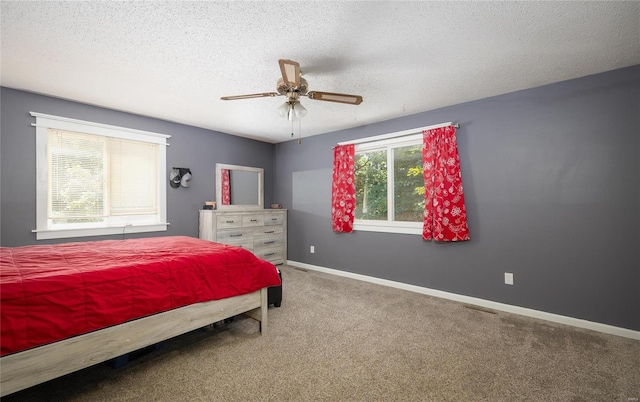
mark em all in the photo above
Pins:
pixel 259 171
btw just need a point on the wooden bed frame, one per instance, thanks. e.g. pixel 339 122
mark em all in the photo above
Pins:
pixel 34 366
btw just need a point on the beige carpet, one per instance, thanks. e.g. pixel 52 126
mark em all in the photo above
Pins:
pixel 337 339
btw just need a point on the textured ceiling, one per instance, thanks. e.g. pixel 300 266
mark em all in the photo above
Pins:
pixel 174 60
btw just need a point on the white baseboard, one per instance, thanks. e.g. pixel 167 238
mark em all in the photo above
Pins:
pixel 561 319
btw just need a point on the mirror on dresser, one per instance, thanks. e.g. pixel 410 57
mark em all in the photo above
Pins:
pixel 239 187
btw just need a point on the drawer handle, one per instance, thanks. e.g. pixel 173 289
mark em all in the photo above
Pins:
pixel 236 235
pixel 254 220
pixel 274 219
pixel 270 254
pixel 230 221
pixel 271 231
pixel 269 242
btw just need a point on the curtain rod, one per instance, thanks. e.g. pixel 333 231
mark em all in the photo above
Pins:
pixel 399 133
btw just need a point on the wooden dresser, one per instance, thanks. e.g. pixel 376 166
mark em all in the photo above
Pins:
pixel 263 232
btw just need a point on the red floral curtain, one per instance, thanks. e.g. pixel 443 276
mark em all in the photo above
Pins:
pixel 445 216
pixel 343 191
pixel 226 187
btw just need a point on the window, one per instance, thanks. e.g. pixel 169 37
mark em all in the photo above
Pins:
pixel 95 179
pixel 390 185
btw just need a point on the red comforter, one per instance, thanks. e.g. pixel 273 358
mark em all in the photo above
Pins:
pixel 52 292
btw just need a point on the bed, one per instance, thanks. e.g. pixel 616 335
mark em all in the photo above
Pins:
pixel 68 306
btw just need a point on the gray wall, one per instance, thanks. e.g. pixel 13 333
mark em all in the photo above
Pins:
pixel 191 147
pixel 552 188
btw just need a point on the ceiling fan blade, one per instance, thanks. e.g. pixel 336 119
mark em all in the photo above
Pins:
pixel 249 96
pixel 290 72
pixel 333 97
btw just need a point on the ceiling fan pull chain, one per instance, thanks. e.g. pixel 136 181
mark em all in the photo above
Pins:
pixel 299 131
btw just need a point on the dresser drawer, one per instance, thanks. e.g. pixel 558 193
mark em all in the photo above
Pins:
pixel 253 220
pixel 244 243
pixel 270 254
pixel 229 221
pixel 273 219
pixel 228 235
pixel 267 241
pixel 268 231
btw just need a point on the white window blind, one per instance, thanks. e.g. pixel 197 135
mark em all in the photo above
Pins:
pixel 76 177
pixel 93 177
pixel 133 170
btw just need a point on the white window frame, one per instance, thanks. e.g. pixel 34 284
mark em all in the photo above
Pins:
pixel 408 138
pixel 45 122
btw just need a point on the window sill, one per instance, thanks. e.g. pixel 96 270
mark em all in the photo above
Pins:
pixel 413 228
pixel 45 234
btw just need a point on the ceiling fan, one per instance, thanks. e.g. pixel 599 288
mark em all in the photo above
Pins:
pixel 293 86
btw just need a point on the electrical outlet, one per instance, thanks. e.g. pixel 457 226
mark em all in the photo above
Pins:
pixel 508 278
pixel 312 249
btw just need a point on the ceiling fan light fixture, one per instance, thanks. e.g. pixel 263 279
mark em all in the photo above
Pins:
pixel 292 114
pixel 299 110
pixel 283 110
pixel 292 110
